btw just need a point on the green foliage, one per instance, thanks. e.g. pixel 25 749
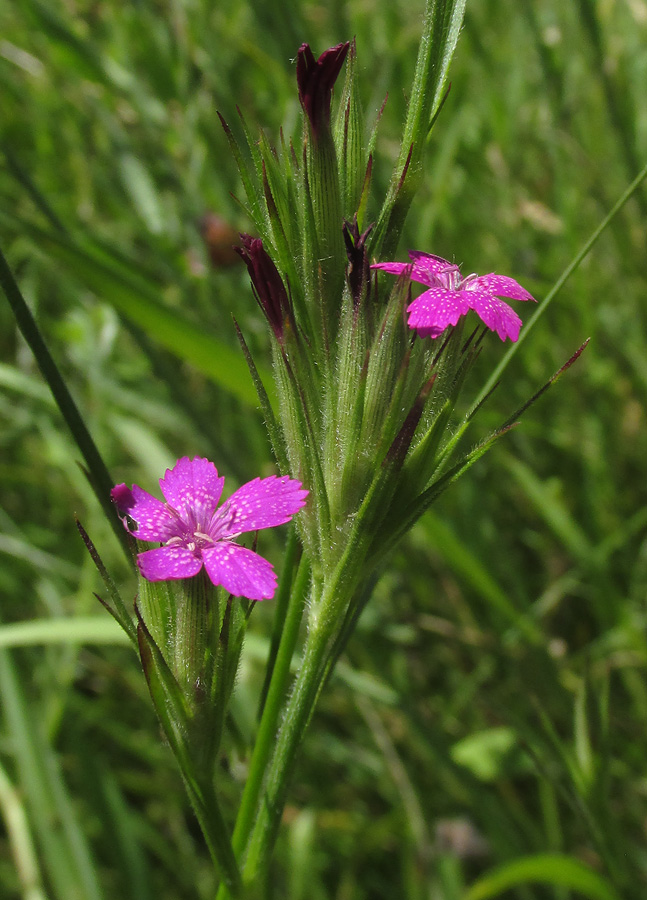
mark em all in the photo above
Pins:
pixel 516 608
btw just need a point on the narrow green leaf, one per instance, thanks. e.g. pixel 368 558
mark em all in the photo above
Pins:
pixel 100 478
pixel 139 302
pixel 441 27
pixel 548 868
pixel 424 501
pixel 64 850
pixel 118 609
pixel 14 813
pixel 142 192
pixel 274 432
pixel 252 193
pixel 77 630
pixel 559 284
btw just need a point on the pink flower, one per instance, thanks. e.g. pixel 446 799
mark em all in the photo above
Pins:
pixel 195 533
pixel 449 296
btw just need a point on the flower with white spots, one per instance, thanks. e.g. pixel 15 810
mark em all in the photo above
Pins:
pixel 196 533
pixel 450 296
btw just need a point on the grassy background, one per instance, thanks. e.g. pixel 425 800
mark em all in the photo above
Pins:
pixel 493 703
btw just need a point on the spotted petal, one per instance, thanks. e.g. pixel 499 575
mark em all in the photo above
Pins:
pixel 261 503
pixel 434 310
pixel 168 563
pixel 153 520
pixel 496 314
pixel 427 267
pixel 193 488
pixel 501 286
pixel 240 571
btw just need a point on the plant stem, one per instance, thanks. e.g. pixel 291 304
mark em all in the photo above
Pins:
pixel 327 600
pixel 271 713
pixel 216 834
pixel 283 596
pixel 281 765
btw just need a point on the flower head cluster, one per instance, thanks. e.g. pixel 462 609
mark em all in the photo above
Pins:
pixel 450 296
pixel 196 533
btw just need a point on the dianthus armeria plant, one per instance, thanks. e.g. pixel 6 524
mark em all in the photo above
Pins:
pixel 363 424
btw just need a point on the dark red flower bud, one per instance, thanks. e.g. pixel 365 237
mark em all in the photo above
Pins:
pixel 316 79
pixel 268 286
pixel 358 272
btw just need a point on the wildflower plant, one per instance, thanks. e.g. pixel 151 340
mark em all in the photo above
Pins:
pixel 361 418
pixel 361 410
pixel 361 413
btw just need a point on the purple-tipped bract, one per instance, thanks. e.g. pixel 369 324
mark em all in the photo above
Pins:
pixel 196 533
pixel 450 296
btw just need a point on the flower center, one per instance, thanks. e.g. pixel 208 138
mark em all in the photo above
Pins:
pixel 193 541
pixel 450 278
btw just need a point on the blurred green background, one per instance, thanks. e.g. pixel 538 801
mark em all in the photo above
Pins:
pixel 493 703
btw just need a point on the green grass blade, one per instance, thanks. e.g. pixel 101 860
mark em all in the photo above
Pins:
pixel 552 509
pixel 12 807
pixel 65 853
pixel 547 868
pixel 136 299
pixel 78 630
pixel 100 478
pixel 559 284
pixel 468 567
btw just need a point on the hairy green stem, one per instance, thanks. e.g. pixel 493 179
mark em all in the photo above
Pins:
pixel 271 713
pixel 281 765
pixel 327 602
pixel 216 833
pixel 282 604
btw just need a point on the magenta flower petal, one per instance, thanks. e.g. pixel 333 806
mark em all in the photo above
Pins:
pixel 496 314
pixel 434 310
pixel 122 497
pixel 193 488
pixel 196 534
pixel 424 268
pixel 501 286
pixel 168 563
pixel 427 268
pixel 261 503
pixel 430 332
pixel 153 519
pixel 240 571
pixel 449 296
pixel 393 268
